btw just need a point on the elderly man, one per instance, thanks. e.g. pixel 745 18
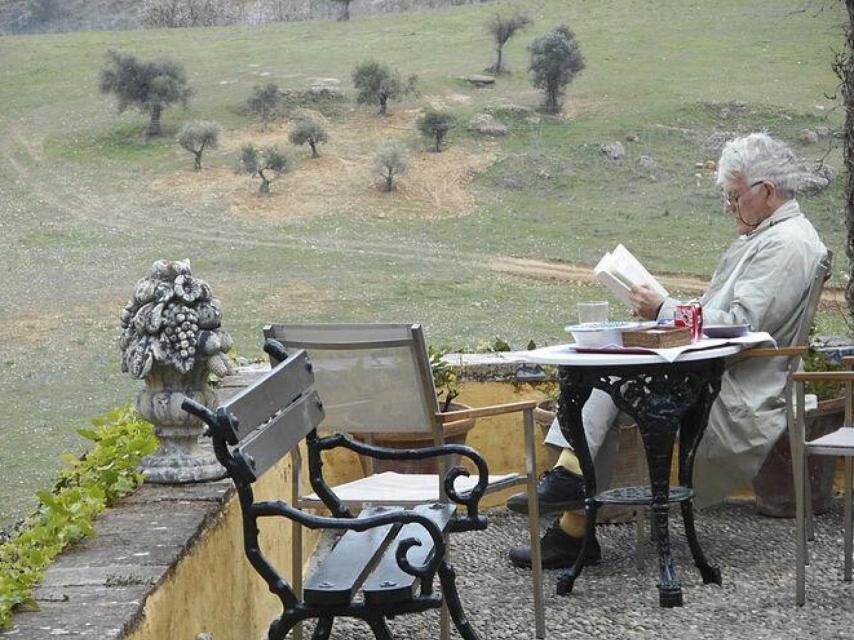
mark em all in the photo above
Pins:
pixel 762 279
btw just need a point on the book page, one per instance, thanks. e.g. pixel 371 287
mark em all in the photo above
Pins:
pixel 619 271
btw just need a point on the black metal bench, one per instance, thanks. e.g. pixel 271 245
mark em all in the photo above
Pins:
pixel 389 555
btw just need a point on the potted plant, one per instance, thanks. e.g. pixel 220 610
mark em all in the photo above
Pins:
pixel 445 381
pixel 773 485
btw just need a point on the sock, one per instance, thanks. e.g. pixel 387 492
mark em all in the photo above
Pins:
pixel 573 524
pixel 569 461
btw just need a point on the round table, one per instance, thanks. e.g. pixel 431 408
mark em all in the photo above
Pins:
pixel 665 399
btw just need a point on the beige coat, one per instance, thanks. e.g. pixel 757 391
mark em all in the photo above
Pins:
pixel 762 279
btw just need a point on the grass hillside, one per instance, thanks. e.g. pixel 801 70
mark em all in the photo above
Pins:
pixel 86 205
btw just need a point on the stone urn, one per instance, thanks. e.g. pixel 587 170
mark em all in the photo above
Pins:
pixel 172 339
pixel 180 457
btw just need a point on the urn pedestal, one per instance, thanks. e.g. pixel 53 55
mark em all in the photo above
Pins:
pixel 180 457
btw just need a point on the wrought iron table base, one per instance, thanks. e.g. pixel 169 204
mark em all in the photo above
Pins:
pixel 665 400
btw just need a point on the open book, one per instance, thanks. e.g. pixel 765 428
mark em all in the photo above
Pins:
pixel 619 270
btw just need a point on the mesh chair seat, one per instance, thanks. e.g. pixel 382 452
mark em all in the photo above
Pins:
pixel 841 439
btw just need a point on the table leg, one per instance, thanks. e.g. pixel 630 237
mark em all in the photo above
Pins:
pixel 574 392
pixel 659 436
pixel 659 401
pixel 693 426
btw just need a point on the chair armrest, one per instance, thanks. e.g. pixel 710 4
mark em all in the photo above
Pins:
pixel 823 376
pixel 484 412
pixel 773 352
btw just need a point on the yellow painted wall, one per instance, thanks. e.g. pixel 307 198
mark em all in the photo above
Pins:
pixel 214 589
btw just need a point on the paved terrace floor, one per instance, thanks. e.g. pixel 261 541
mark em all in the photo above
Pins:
pixel 615 600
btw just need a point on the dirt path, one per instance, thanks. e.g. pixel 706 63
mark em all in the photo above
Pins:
pixel 581 273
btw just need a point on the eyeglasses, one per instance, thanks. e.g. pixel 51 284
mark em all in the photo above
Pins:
pixel 731 198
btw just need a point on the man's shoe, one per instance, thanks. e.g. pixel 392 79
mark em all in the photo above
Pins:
pixel 557 490
pixel 559 550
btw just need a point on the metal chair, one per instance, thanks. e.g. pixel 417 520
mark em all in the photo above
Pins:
pixel 376 378
pixel 837 443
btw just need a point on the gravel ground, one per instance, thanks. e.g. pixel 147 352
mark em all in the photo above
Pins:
pixel 616 600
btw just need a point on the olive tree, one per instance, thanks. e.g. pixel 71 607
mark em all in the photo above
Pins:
pixel 266 103
pixel 555 60
pixel 390 162
pixel 150 86
pixel 502 28
pixel 309 132
pixel 377 84
pixel 197 136
pixel 434 125
pixel 268 164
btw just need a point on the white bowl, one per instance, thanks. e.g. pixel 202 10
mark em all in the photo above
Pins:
pixel 604 338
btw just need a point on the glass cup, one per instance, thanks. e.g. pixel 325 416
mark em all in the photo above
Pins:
pixel 592 312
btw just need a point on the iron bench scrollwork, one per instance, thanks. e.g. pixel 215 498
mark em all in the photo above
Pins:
pixel 389 554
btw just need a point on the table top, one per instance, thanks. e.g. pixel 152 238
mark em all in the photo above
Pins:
pixel 566 355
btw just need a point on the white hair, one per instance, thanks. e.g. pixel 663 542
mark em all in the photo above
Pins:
pixel 759 157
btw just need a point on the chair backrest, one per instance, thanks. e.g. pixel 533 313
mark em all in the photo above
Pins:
pixel 822 275
pixel 272 415
pixel 372 377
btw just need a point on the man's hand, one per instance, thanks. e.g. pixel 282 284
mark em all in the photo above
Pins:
pixel 645 302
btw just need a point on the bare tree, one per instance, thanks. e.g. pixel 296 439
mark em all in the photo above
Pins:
pixel 844 68
pixel 502 28
pixel 345 10
pixel 390 162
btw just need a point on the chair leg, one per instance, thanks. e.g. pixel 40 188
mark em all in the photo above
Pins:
pixel 849 530
pixel 380 628
pixel 533 528
pixel 448 579
pixel 808 510
pixel 640 535
pixel 323 628
pixel 798 460
pixel 444 617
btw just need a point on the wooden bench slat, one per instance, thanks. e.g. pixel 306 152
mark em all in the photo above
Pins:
pixel 337 579
pixel 277 389
pixel 270 443
pixel 388 582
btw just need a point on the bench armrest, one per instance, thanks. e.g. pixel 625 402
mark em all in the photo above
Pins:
pixel 470 499
pixel 484 412
pixel 425 571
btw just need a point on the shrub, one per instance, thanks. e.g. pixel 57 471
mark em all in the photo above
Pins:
pixel 434 124
pixel 256 162
pixel 197 136
pixel 390 162
pixel 310 132
pixel 85 488
pixel 148 86
pixel 266 103
pixel 555 60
